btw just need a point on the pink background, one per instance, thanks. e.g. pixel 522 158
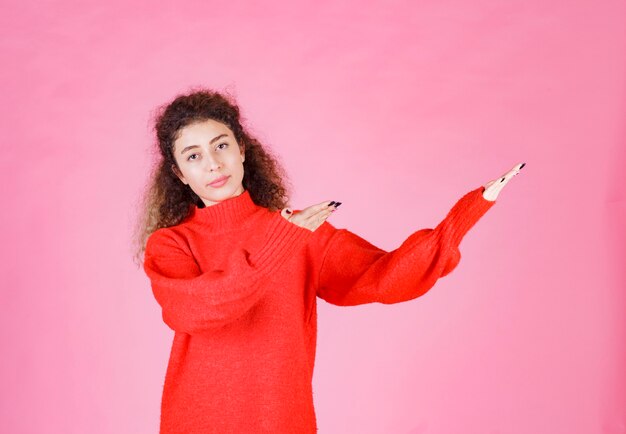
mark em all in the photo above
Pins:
pixel 396 109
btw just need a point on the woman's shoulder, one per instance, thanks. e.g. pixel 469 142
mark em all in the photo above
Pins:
pixel 165 237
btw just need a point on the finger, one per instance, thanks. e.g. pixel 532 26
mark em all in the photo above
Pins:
pixel 335 207
pixel 319 217
pixel 315 209
pixel 516 169
pixel 504 179
pixel 331 209
pixel 322 216
pixel 508 175
pixel 286 212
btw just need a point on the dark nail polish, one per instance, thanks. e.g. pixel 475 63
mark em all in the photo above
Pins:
pixel 502 180
pixel 337 204
pixel 523 164
pixel 331 203
pixel 288 212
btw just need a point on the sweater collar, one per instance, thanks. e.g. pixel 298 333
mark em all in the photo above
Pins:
pixel 228 212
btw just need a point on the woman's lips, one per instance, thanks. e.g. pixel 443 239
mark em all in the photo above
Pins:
pixel 219 182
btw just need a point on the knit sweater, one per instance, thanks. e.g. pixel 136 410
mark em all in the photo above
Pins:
pixel 238 285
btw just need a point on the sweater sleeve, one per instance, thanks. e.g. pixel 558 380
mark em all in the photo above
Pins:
pixel 354 271
pixel 193 301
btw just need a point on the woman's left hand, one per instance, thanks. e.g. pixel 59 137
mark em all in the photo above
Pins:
pixel 493 188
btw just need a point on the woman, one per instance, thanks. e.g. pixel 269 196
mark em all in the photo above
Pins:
pixel 237 273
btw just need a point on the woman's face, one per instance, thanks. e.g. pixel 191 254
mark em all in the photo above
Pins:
pixel 206 151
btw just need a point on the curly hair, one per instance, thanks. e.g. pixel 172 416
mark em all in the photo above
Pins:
pixel 166 200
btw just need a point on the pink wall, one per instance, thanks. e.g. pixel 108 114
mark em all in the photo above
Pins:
pixel 527 335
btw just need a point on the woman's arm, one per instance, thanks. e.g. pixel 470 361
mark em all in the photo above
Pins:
pixel 354 271
pixel 193 301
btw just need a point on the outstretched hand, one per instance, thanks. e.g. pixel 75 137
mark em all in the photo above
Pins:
pixel 493 188
pixel 311 217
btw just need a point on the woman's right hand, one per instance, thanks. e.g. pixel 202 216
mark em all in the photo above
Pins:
pixel 311 217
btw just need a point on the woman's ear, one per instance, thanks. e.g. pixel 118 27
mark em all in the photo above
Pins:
pixel 177 173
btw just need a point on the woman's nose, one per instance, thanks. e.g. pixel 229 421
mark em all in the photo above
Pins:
pixel 212 164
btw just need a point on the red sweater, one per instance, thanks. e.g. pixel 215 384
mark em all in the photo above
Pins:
pixel 238 284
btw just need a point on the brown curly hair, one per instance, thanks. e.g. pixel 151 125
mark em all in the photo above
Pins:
pixel 166 200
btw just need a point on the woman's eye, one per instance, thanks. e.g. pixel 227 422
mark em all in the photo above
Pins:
pixel 190 159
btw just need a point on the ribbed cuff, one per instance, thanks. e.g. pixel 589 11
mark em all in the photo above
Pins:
pixel 464 214
pixel 284 239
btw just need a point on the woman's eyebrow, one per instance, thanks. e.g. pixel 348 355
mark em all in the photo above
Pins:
pixel 197 146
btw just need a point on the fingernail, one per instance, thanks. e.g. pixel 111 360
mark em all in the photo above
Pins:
pixel 502 180
pixel 337 204
pixel 523 164
pixel 331 203
pixel 288 211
